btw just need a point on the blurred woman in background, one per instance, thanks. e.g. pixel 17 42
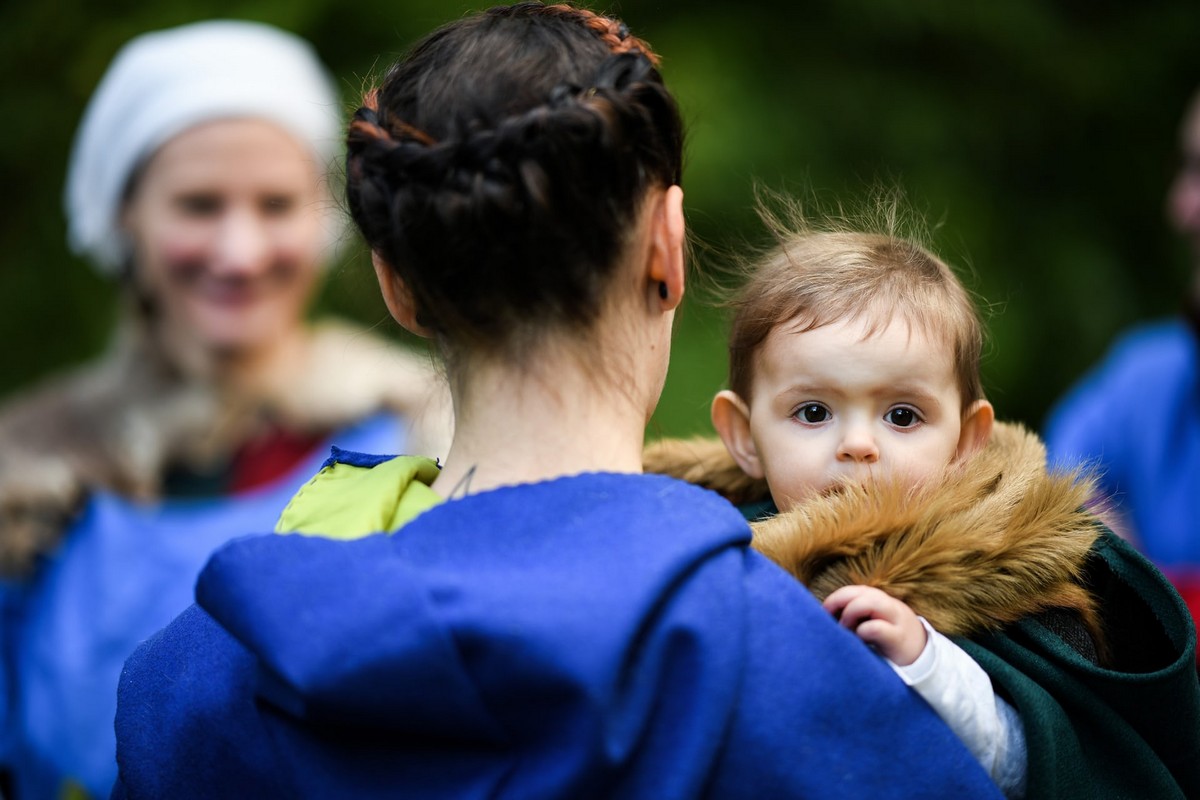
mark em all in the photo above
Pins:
pixel 200 181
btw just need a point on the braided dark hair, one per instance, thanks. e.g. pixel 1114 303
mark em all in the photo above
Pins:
pixel 500 166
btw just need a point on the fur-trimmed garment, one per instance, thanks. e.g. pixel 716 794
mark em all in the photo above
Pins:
pixel 1004 556
pixel 992 542
pixel 119 423
pixel 129 558
pixel 989 542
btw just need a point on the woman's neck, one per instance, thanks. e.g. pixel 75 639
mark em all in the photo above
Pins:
pixel 258 372
pixel 515 425
pixel 262 372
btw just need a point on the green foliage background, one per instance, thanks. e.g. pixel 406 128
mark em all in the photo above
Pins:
pixel 1040 134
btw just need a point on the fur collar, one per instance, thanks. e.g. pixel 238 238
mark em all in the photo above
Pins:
pixel 993 540
pixel 118 422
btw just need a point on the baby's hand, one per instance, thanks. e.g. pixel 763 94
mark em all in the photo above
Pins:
pixel 880 620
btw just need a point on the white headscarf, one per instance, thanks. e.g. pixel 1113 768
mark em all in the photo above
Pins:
pixel 163 83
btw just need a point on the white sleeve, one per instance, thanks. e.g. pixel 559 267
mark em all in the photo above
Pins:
pixel 961 693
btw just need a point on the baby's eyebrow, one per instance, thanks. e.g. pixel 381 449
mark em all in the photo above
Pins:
pixel 789 394
pixel 914 392
pixel 817 389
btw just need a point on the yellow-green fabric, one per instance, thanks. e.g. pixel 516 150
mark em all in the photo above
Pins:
pixel 346 501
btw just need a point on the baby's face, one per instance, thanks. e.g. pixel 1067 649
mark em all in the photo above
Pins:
pixel 831 403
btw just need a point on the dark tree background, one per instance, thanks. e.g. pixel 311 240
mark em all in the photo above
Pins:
pixel 1040 134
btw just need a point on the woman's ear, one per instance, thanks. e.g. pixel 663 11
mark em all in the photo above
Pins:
pixel 976 429
pixel 731 418
pixel 665 265
pixel 397 297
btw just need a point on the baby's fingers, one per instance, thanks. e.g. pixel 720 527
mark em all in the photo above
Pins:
pixel 840 598
pixel 853 604
pixel 865 605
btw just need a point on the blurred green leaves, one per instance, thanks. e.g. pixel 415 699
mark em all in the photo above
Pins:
pixel 1040 133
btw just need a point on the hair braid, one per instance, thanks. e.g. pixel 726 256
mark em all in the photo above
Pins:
pixel 613 33
pixel 366 125
pixel 500 164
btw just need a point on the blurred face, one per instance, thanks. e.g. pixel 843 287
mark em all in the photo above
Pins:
pixel 829 405
pixel 1183 202
pixel 227 228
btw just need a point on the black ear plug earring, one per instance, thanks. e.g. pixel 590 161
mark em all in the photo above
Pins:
pixel 662 290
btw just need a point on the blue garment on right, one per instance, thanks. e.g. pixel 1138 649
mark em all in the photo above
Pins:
pixel 593 636
pixel 1136 417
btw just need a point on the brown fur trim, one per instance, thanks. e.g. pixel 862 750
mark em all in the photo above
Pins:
pixel 991 541
pixel 704 462
pixel 994 540
pixel 117 423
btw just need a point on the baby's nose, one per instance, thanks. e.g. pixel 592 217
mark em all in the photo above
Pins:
pixel 858 446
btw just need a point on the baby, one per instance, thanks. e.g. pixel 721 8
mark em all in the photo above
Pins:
pixel 855 356
pixel 855 397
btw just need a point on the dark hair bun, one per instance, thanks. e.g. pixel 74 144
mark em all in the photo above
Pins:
pixel 504 205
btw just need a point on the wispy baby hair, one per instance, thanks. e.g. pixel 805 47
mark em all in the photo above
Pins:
pixel 864 265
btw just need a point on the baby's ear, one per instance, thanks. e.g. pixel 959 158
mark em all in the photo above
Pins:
pixel 731 418
pixel 976 429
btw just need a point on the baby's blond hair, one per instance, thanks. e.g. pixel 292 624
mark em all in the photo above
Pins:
pixel 834 269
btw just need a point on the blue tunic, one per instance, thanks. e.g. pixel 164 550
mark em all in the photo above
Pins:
pixel 592 636
pixel 123 572
pixel 1136 417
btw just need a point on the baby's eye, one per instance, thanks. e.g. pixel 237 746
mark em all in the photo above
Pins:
pixel 902 417
pixel 812 413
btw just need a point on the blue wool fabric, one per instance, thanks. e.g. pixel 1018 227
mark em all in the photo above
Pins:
pixel 1136 417
pixel 593 636
pixel 124 571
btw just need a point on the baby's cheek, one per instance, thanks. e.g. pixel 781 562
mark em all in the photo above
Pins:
pixel 919 472
pixel 789 493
